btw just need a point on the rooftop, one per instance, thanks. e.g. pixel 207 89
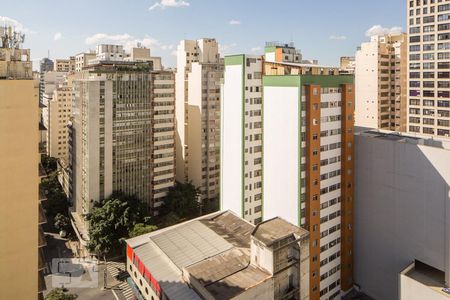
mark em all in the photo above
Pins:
pixel 214 250
pixel 418 139
pixel 275 229
pixel 427 275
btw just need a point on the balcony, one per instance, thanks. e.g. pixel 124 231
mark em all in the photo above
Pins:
pixel 42 218
pixel 41 238
pixel 42 172
pixel 41 282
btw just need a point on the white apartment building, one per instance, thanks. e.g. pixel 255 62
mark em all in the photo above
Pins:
pixel 402 215
pixel 429 67
pixel 123 134
pixel 105 52
pixel 380 82
pixel 199 72
pixel 282 140
pixel 241 137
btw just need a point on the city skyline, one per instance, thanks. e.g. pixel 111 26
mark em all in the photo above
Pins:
pixel 160 25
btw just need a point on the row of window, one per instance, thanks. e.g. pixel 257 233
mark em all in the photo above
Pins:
pixel 427 130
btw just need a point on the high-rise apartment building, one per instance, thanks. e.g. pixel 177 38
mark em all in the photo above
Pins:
pixel 429 67
pixel 380 82
pixel 199 72
pixel 122 136
pixel 291 155
pixel 20 236
pixel 58 112
pixel 241 136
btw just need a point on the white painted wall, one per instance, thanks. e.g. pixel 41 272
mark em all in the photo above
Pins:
pixel 401 211
pixel 281 147
pixel 231 133
pixel 366 85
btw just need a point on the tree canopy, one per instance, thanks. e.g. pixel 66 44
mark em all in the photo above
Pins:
pixel 111 220
pixel 182 199
pixel 60 294
pixel 140 229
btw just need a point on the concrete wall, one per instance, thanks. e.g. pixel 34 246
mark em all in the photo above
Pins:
pixel 366 85
pixel 281 153
pixel 401 211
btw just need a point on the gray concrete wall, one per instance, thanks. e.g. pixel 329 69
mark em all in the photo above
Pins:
pixel 401 211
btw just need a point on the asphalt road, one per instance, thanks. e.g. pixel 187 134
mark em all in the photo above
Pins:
pixel 57 248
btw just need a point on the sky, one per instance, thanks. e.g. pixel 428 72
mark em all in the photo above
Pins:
pixel 321 29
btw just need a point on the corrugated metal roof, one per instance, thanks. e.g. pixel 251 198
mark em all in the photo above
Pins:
pixel 190 243
pixel 167 275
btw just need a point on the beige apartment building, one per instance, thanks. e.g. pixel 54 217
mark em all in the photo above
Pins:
pixel 429 67
pixel 82 60
pixel 381 83
pixel 347 65
pixel 58 115
pixel 122 135
pixel 199 72
pixel 64 65
pixel 21 258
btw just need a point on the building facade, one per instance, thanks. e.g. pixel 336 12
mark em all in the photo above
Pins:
pixel 347 65
pixel 122 136
pixel 241 136
pixel 57 115
pixel 228 258
pixel 82 60
pixel 199 72
pixel 283 137
pixel 21 238
pixel 380 82
pixel 64 65
pixel 429 67
pixel 403 180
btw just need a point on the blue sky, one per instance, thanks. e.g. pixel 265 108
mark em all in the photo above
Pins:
pixel 322 29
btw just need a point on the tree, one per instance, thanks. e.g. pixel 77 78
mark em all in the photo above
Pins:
pixel 49 163
pixel 140 229
pixel 182 199
pixel 56 198
pixel 59 294
pixel 62 222
pixel 111 220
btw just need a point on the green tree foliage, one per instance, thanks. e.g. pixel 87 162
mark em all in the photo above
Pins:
pixel 141 228
pixel 111 220
pixel 59 294
pixel 49 163
pixel 182 199
pixel 62 222
pixel 56 198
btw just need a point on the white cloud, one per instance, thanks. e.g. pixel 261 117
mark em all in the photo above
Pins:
pixel 174 53
pixel 234 22
pixel 256 49
pixel 15 24
pixel 169 3
pixel 379 30
pixel 338 37
pixel 57 36
pixel 107 38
